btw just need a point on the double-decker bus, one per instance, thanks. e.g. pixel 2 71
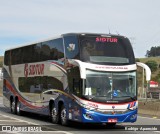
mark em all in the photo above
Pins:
pixel 83 77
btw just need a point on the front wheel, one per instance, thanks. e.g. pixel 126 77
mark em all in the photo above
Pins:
pixel 18 110
pixel 64 120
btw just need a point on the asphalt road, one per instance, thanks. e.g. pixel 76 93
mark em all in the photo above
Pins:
pixel 32 120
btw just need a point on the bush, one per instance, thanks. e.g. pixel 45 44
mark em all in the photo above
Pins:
pixel 152 64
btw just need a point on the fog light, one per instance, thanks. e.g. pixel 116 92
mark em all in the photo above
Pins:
pixel 87 116
pixel 133 117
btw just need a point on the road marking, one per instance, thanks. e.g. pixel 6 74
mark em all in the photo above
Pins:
pixel 10 121
pixel 19 119
pixel 154 117
pixel 156 131
pixel 30 123
pixel 148 118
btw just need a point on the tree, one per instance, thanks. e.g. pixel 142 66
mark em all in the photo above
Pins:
pixel 153 52
pixel 152 65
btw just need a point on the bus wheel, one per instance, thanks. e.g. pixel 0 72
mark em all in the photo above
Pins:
pixel 18 111
pixel 54 115
pixel 63 116
pixel 12 107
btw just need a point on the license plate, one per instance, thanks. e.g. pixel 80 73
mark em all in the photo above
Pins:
pixel 112 120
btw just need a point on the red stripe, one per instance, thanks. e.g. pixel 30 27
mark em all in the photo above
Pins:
pixel 9 86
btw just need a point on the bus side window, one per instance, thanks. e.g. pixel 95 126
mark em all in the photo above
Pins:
pixel 74 81
pixel 7 58
pixel 77 86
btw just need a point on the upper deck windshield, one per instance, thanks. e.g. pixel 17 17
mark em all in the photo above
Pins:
pixel 110 50
pixel 110 87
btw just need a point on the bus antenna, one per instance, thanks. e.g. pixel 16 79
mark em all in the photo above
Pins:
pixel 109 30
pixel 117 32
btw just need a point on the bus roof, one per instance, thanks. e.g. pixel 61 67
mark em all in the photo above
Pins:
pixel 59 36
pixel 34 42
pixel 102 34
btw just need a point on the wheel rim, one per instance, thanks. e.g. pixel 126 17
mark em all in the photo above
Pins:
pixel 13 107
pixel 54 114
pixel 63 116
pixel 18 108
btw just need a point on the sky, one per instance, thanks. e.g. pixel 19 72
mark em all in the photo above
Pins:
pixel 24 21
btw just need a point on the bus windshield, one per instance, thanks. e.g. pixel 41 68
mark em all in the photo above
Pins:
pixel 111 50
pixel 110 87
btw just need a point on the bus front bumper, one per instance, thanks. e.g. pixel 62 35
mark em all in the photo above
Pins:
pixel 97 117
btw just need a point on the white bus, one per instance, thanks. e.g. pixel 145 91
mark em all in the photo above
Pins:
pixel 89 78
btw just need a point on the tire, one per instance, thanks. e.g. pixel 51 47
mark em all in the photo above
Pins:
pixel 63 116
pixel 54 115
pixel 13 107
pixel 17 107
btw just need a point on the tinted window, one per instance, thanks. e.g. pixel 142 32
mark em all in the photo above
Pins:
pixel 106 50
pixel 71 47
pixel 28 53
pixel 36 53
pixel 49 50
pixel 52 50
pixel 7 58
pixel 74 81
pixel 39 84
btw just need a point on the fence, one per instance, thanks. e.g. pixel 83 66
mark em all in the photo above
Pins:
pixel 154 93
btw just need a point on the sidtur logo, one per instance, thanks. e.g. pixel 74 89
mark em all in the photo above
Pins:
pixel 34 69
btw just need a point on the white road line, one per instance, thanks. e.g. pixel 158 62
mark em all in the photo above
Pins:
pixel 57 130
pixel 19 120
pixel 156 131
pixel 10 121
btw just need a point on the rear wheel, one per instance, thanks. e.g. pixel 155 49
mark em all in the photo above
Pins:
pixel 54 115
pixel 63 116
pixel 12 106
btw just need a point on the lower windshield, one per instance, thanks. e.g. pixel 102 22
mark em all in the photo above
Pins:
pixel 110 87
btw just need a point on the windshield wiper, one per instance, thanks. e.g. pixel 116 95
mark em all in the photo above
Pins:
pixel 129 97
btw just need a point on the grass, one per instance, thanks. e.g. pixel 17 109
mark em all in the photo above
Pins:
pixel 157 59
